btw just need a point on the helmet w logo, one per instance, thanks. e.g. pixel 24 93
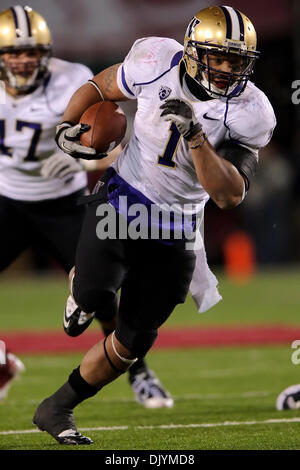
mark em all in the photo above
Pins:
pixel 191 26
pixel 164 92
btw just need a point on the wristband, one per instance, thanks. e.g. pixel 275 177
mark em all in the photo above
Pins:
pixel 198 140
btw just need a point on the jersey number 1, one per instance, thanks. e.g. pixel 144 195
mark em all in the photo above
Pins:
pixel 166 159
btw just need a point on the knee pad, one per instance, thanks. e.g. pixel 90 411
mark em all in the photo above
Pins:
pixel 138 342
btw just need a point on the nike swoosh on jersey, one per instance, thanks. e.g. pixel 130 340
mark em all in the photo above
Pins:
pixel 210 118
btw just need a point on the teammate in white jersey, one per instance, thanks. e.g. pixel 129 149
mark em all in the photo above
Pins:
pixel 40 184
pixel 197 131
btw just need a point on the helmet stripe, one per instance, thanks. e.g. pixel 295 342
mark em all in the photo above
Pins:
pixel 28 22
pixel 21 21
pixel 236 30
pixel 241 23
pixel 228 22
pixel 18 33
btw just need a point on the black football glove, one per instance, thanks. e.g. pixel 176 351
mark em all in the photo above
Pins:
pixel 182 114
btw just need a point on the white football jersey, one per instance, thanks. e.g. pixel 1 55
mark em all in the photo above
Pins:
pixel 157 160
pixel 27 132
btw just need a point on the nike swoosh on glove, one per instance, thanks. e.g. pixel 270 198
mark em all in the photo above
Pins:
pixel 68 140
pixel 182 114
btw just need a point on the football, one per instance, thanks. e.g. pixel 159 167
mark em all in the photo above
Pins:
pixel 107 124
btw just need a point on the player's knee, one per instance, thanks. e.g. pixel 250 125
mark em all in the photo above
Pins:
pixel 138 342
pixel 108 309
pixel 91 299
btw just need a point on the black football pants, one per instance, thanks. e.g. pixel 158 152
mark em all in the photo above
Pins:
pixel 52 225
pixel 154 277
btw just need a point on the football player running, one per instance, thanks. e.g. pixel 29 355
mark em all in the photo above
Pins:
pixel 199 126
pixel 40 184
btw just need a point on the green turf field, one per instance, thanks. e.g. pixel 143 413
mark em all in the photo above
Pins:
pixel 270 297
pixel 224 397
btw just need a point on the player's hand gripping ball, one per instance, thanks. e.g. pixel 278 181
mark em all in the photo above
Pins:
pixel 107 124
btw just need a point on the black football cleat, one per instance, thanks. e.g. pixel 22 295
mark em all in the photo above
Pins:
pixel 75 320
pixel 289 399
pixel 71 437
pixel 59 423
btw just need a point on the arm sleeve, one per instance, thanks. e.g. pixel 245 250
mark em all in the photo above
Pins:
pixel 243 158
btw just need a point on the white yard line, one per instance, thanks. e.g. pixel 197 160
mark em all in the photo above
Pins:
pixel 225 423
pixel 189 396
pixel 169 426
